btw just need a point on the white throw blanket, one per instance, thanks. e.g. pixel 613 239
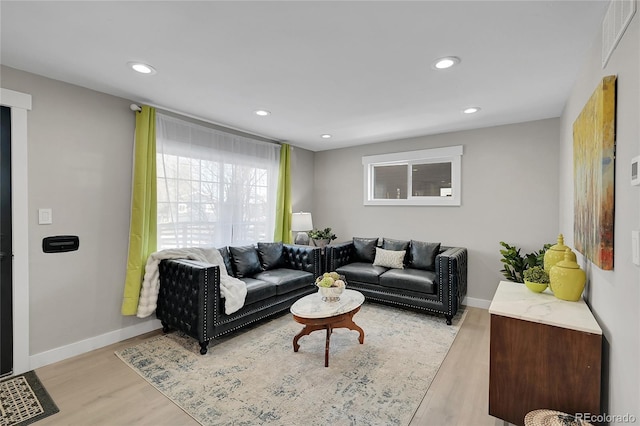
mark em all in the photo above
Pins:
pixel 232 289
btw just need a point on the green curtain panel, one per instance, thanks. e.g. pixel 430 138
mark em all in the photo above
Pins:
pixel 143 227
pixel 283 203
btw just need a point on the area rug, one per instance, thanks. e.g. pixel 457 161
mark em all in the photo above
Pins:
pixel 24 400
pixel 255 378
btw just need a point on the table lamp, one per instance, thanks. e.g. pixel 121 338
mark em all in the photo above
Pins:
pixel 301 223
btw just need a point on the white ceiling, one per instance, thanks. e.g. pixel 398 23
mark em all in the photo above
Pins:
pixel 359 70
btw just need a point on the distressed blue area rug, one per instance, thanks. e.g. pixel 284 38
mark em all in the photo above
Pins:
pixel 255 378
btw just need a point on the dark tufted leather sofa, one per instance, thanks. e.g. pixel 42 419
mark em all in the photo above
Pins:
pixel 276 276
pixel 434 278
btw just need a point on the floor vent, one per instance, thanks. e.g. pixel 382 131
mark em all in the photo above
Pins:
pixel 614 24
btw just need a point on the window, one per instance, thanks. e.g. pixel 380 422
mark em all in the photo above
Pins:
pixel 214 188
pixel 430 177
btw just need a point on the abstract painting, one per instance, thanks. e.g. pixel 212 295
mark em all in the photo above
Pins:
pixel 593 175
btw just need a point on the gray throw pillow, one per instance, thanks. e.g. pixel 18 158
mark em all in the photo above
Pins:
pixel 245 261
pixel 423 255
pixel 365 249
pixel 389 258
pixel 270 255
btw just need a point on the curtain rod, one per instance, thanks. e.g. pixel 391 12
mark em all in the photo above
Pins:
pixel 136 108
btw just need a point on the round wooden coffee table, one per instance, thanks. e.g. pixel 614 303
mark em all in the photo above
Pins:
pixel 318 315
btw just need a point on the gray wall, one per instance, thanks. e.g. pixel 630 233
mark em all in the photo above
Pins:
pixel 79 164
pixel 302 180
pixel 614 296
pixel 509 193
pixel 79 160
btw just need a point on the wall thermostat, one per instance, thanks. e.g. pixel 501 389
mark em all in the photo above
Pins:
pixel 635 170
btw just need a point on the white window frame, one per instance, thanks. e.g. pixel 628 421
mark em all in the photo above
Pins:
pixel 246 208
pixel 452 154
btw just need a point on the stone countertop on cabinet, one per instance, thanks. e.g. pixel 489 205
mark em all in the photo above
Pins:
pixel 515 300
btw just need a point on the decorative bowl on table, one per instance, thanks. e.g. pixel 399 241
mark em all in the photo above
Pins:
pixel 330 286
pixel 535 287
pixel 536 279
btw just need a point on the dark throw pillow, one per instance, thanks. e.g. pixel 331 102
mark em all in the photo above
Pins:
pixel 245 261
pixel 423 255
pixel 226 257
pixel 395 245
pixel 270 255
pixel 365 249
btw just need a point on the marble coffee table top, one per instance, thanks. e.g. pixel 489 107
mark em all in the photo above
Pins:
pixel 312 306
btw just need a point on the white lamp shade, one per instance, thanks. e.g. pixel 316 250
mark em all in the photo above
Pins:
pixel 301 222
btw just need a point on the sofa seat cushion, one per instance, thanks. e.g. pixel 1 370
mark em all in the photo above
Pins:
pixel 361 272
pixel 416 280
pixel 286 280
pixel 258 290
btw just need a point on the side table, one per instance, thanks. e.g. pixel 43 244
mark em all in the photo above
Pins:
pixel 544 353
pixel 318 315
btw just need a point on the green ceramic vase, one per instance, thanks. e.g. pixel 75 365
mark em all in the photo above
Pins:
pixel 554 254
pixel 567 278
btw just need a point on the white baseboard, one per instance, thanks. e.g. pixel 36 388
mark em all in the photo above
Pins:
pixel 87 345
pixel 476 303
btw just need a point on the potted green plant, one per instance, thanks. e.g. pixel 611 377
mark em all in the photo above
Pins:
pixel 515 264
pixel 322 237
pixel 536 278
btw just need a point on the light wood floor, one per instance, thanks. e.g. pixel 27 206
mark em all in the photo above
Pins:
pixel 97 388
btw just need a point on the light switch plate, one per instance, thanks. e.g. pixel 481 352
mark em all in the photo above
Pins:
pixel 635 170
pixel 45 217
pixel 635 247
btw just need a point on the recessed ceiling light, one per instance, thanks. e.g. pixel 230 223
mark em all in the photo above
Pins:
pixel 142 68
pixel 471 110
pixel 446 62
pixel 325 136
pixel 261 112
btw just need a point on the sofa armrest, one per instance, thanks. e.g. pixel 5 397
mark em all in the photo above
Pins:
pixel 189 296
pixel 339 255
pixel 303 258
pixel 451 271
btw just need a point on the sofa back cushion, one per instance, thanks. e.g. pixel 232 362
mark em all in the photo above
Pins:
pixel 224 252
pixel 423 255
pixel 365 249
pixel 245 261
pixel 270 255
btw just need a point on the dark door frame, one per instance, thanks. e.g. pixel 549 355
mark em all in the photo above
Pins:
pixel 20 104
pixel 6 246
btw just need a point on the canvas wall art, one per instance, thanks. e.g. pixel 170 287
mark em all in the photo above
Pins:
pixel 593 175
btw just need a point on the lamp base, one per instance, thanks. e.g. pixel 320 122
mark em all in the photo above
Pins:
pixel 302 238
